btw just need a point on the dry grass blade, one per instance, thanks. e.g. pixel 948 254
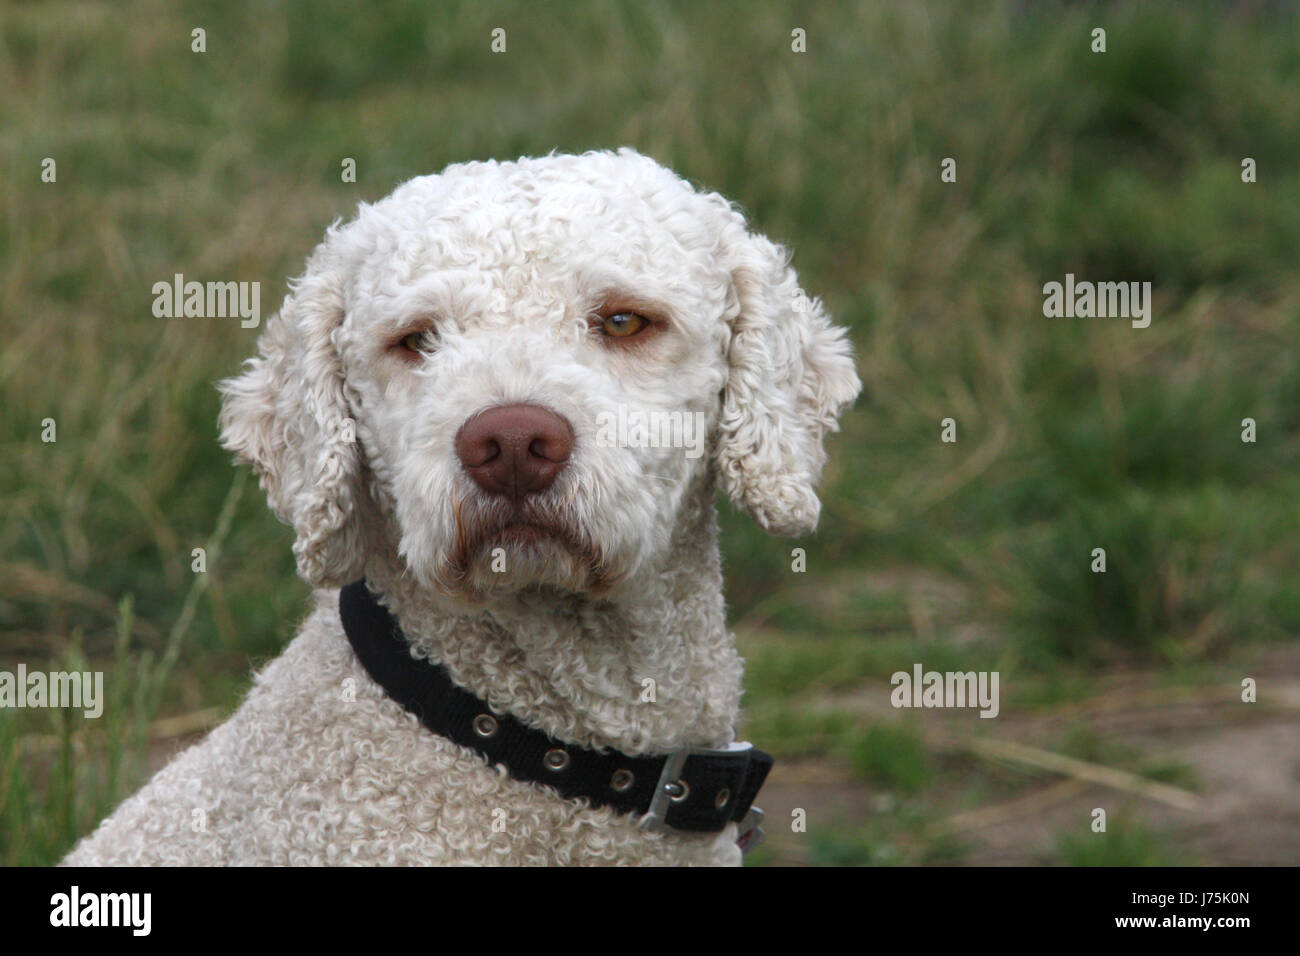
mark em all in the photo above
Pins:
pixel 165 728
pixel 1014 809
pixel 1084 770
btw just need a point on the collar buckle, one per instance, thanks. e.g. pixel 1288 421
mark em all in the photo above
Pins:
pixel 750 833
pixel 671 788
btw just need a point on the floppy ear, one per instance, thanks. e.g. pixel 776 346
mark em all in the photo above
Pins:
pixel 790 376
pixel 288 417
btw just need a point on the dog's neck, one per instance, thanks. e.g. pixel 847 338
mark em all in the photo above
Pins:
pixel 644 673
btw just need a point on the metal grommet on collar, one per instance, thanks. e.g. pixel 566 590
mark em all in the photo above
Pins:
pixel 485 725
pixel 556 760
pixel 678 790
pixel 721 799
pixel 622 780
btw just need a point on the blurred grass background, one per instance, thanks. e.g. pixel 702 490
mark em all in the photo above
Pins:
pixel 1072 434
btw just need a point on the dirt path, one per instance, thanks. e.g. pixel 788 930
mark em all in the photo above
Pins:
pixel 1239 762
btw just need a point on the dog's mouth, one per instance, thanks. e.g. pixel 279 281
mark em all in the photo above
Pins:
pixel 516 529
pixel 523 532
pixel 499 542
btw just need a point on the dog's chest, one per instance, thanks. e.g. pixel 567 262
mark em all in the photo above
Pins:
pixel 387 790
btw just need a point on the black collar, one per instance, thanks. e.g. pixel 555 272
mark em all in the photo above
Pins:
pixel 697 790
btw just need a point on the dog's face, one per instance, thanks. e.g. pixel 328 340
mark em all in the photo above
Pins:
pixel 502 321
pixel 526 367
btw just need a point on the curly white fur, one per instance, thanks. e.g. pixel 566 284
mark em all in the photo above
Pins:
pixel 506 263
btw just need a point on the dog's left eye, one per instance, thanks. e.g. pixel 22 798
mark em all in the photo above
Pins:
pixel 622 325
pixel 418 342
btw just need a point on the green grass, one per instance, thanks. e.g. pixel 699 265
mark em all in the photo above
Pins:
pixel 1072 434
pixel 1124 843
pixel 889 756
pixel 903 837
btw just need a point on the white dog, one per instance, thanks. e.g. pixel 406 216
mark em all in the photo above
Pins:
pixel 426 412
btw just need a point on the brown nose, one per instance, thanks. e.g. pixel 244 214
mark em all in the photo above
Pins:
pixel 515 450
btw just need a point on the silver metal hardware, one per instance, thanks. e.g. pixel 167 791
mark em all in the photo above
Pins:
pixel 556 760
pixel 666 792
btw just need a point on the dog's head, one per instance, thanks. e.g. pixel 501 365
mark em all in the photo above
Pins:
pixel 515 373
